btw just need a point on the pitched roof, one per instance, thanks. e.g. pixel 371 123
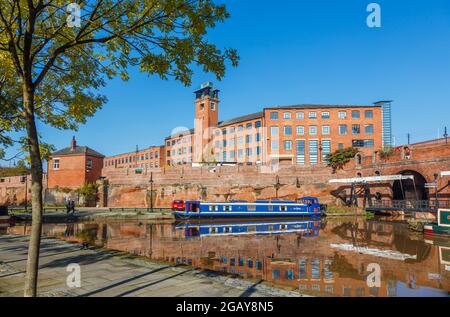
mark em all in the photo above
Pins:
pixel 77 151
pixel 313 106
pixel 251 116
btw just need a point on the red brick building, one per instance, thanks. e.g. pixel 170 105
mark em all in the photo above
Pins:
pixel 74 166
pixel 298 134
pixel 150 158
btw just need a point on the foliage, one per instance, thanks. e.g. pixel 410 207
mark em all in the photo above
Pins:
pixel 68 65
pixel 17 170
pixel 339 158
pixel 88 191
pixel 45 150
pixel 386 152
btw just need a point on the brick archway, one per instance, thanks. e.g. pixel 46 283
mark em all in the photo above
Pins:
pixel 409 189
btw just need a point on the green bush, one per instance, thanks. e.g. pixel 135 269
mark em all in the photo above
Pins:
pixel 338 159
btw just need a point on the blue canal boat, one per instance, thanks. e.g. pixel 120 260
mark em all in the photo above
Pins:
pixel 307 228
pixel 302 207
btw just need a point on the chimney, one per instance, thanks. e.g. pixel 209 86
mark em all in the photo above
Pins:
pixel 73 144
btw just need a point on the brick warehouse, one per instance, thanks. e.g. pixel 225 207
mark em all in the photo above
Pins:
pixel 298 135
pixel 287 135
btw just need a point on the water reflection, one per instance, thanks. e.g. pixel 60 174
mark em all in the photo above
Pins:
pixel 326 258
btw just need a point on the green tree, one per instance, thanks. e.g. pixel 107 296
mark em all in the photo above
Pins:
pixel 57 67
pixel 339 158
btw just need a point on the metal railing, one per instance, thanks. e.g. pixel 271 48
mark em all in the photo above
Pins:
pixel 410 205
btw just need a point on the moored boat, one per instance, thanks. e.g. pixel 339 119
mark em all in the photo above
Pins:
pixel 303 207
pixel 307 227
pixel 441 227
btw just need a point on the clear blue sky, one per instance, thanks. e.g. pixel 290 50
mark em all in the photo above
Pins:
pixel 296 51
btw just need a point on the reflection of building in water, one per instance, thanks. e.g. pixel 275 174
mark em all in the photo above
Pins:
pixel 305 263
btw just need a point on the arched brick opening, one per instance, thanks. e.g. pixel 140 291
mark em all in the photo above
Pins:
pixel 410 187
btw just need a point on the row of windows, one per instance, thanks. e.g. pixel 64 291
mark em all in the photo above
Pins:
pixel 132 159
pixel 342 114
pixel 326 130
pixel 239 140
pixel 242 262
pixel 288 144
pixel 248 126
pixel 231 155
pixel 179 141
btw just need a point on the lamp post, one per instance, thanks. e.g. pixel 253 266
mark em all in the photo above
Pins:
pixel 277 185
pixel 151 191
pixel 26 191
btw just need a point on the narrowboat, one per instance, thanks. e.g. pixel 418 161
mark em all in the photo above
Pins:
pixel 441 227
pixel 307 228
pixel 302 207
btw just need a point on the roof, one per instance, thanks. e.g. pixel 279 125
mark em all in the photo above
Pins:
pixel 181 133
pixel 314 106
pixel 77 151
pixel 248 117
pixel 134 152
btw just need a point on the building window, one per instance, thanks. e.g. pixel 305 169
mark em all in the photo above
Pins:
pixel 232 130
pixel 300 116
pixel 213 106
pixel 302 272
pixel 224 131
pixel 312 130
pixel 290 275
pixel 325 115
pixel 274 115
pixel 287 115
pixel 89 163
pixel 240 140
pixel 342 129
pixel 368 114
pixel 248 139
pixel 258 150
pixel 232 154
pixel 274 145
pixel 325 129
pixel 258 137
pixel 231 142
pixel 274 131
pixel 258 124
pixel 248 126
pixel 240 153
pixel 300 149
pixel 368 143
pixel 368 128
pixel 248 152
pixel 240 127
pixel 356 129
pixel 224 143
pixel 288 145
pixel 288 130
pixel 326 149
pixel 342 114
pixel 340 146
pixel 355 114
pixel 300 130
pixel 224 155
pixel 56 164
pixel 313 152
pixel 312 115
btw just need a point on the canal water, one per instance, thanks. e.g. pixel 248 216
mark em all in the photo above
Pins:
pixel 327 257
